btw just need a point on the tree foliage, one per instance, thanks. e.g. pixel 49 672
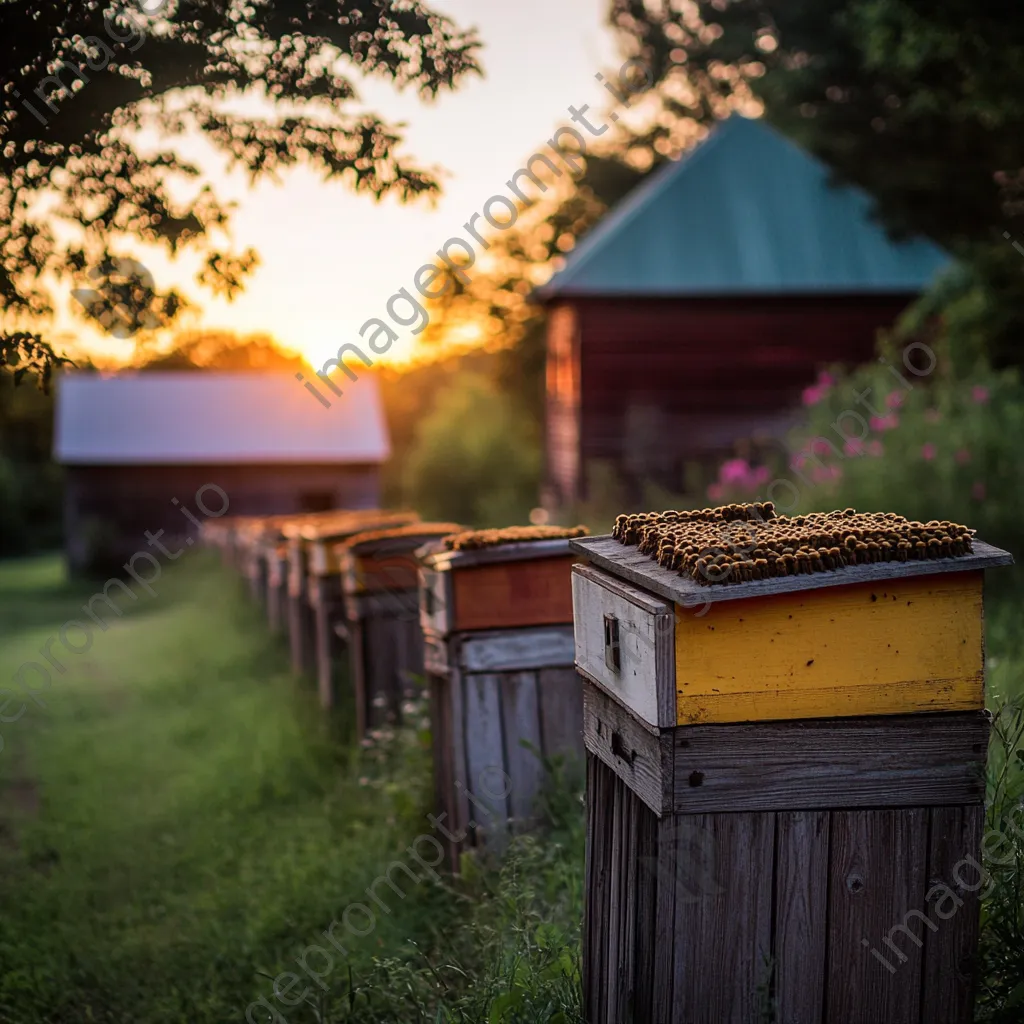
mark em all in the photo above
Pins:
pixel 83 78
pixel 921 104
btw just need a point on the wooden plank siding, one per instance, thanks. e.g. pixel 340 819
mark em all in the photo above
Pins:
pixel 504 703
pixel 386 654
pixel 639 381
pixel 751 916
pixel 512 594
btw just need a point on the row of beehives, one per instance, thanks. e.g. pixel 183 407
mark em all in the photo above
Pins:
pixel 480 620
pixel 784 776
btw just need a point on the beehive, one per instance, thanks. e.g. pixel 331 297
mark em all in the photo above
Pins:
pixel 779 770
pixel 316 582
pixel 379 580
pixel 496 611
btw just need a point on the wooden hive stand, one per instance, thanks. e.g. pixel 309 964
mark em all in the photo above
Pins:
pixel 323 597
pixel 380 583
pixel 275 555
pixel 219 533
pixel 784 778
pixel 504 695
pixel 249 534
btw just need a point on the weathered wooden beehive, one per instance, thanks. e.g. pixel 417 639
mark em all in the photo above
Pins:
pixel 275 555
pixel 380 584
pixel 300 617
pixel 497 624
pixel 251 555
pixel 220 534
pixel 784 778
pixel 323 594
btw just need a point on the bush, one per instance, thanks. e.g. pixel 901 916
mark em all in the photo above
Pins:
pixel 942 448
pixel 473 460
pixel 928 447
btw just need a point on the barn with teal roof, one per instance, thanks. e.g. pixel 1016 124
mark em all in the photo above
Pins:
pixel 697 310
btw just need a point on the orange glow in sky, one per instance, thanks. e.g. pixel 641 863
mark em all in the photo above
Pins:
pixel 330 259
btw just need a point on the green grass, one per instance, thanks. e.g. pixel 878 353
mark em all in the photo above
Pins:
pixel 178 824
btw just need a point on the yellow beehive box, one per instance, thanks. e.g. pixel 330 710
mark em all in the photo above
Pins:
pixel 876 639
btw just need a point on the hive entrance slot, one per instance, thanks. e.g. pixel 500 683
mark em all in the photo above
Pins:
pixel 611 643
pixel 619 749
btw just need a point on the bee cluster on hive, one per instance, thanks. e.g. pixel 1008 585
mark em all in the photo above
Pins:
pixel 739 543
pixel 475 539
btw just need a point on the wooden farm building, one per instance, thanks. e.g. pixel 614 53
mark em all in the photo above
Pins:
pixel 133 444
pixel 695 313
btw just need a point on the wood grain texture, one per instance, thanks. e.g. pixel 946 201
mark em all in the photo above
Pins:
pixel 460 767
pixel 641 570
pixel 485 757
pixel 520 714
pixel 441 726
pixel 640 758
pixel 435 654
pixel 518 649
pixel 801 915
pixel 276 597
pixel 520 551
pixel 645 643
pixel 877 883
pixel 900 646
pixel 722 864
pixel 435 601
pixel 328 609
pixel 952 902
pixel 300 634
pixel 595 929
pixel 904 760
pixel 505 595
pixel 560 691
pixel 383 571
pixel 356 646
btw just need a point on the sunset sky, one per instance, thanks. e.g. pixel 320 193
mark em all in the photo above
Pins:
pixel 330 259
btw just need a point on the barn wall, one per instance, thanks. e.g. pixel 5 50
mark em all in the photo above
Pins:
pixel 113 506
pixel 662 382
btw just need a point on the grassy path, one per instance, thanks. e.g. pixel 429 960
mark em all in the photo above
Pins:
pixel 175 818
pixel 176 827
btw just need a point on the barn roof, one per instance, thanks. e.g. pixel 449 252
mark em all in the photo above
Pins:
pixel 746 212
pixel 205 417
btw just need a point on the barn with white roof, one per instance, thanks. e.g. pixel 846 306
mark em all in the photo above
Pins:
pixel 132 445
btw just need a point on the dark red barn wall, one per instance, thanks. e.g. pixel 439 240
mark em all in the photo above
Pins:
pixel 650 384
pixel 110 508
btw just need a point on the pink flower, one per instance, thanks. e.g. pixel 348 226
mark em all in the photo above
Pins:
pixel 760 476
pixel 716 492
pixel 978 491
pixel 821 447
pixel 894 399
pixel 855 446
pixel 928 451
pixel 876 448
pixel 817 392
pixel 798 462
pixel 823 474
pixel 889 422
pixel 979 393
pixel 963 456
pixel 735 471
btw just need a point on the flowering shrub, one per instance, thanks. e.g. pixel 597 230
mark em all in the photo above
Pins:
pixel 925 446
pixel 737 481
pixel 886 439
